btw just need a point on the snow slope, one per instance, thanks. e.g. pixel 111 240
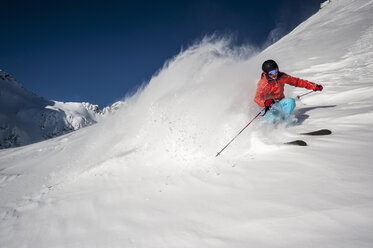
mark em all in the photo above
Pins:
pixel 148 176
pixel 26 118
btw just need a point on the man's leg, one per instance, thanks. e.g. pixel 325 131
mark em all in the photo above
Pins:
pixel 274 112
pixel 281 110
pixel 287 106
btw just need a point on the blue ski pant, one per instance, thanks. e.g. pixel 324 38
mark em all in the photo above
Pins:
pixel 281 110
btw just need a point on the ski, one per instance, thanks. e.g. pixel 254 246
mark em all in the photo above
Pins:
pixel 318 132
pixel 296 143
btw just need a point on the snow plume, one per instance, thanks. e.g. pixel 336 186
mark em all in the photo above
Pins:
pixel 288 17
pixel 276 34
pixel 192 106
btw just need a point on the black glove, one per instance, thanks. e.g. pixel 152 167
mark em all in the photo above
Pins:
pixel 318 87
pixel 269 102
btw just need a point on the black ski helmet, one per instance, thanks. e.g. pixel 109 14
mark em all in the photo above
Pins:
pixel 269 65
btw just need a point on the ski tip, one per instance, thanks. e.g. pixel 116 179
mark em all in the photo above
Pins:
pixel 319 132
pixel 296 143
pixel 326 131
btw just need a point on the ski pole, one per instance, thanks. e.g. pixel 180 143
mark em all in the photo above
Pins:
pixel 298 97
pixel 239 133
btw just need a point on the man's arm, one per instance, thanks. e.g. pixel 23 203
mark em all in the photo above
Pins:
pixel 297 82
pixel 259 96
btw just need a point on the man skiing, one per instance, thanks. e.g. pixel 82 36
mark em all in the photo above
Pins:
pixel 270 91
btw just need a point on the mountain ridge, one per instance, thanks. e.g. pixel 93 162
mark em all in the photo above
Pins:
pixel 26 118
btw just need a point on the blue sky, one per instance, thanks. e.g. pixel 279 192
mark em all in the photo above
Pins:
pixel 97 51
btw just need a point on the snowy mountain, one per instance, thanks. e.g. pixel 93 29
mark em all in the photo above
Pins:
pixel 147 176
pixel 26 118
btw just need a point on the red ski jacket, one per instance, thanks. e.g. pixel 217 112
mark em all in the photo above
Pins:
pixel 269 88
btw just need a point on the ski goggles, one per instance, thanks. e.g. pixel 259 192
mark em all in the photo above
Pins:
pixel 273 72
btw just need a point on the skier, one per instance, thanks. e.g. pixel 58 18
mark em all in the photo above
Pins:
pixel 270 91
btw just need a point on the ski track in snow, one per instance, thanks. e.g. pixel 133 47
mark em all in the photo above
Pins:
pixel 148 176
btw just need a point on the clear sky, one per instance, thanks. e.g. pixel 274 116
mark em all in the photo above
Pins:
pixel 97 51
